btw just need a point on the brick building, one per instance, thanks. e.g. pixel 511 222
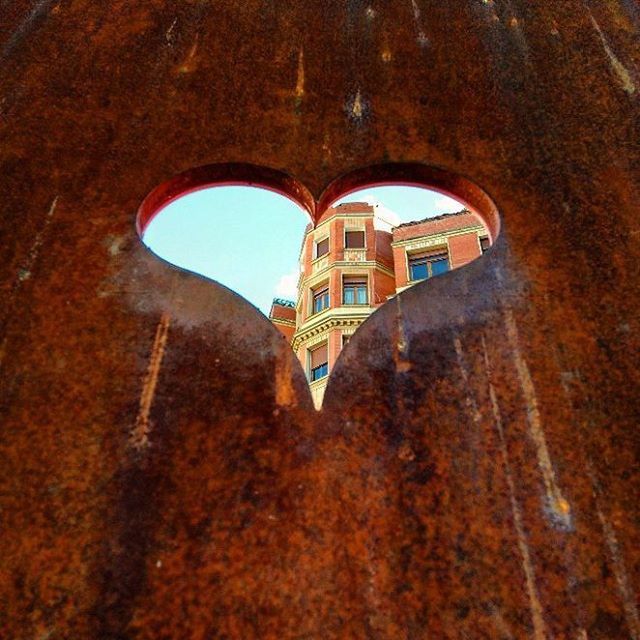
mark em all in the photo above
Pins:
pixel 352 262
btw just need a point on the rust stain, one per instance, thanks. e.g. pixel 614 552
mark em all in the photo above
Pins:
pixel 621 72
pixel 556 502
pixel 537 612
pixel 500 623
pixel 299 92
pixel 286 395
pixel 625 588
pixel 422 38
pixel 190 63
pixel 169 34
pixel 257 513
pixel 403 363
pixel 472 405
pixel 34 251
pixel 30 21
pixel 357 108
pixel 139 437
pixel 25 272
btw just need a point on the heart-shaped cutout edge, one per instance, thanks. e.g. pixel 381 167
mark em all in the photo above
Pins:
pixel 419 175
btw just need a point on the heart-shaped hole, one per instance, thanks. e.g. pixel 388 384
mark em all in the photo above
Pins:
pixel 317 272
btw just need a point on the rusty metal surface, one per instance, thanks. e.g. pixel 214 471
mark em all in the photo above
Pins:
pixel 474 472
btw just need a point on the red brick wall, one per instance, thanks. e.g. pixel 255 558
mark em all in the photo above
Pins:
pixel 384 254
pixel 400 266
pixel 436 225
pixel 335 288
pixel 335 346
pixel 383 285
pixel 286 330
pixel 370 239
pixel 280 311
pixel 463 249
pixel 336 242
pixel 308 254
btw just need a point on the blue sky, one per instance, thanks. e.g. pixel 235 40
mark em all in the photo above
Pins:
pixel 249 238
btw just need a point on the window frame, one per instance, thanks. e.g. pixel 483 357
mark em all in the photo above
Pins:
pixel 324 367
pixel 321 290
pixel 362 279
pixel 428 259
pixel 355 230
pixel 318 242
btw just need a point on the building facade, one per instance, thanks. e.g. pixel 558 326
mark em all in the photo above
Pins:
pixel 351 263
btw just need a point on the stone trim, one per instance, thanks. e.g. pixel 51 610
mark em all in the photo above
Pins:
pixel 420 242
pixel 284 321
pixel 317 277
pixel 316 334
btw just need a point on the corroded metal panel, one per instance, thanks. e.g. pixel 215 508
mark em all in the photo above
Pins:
pixel 474 471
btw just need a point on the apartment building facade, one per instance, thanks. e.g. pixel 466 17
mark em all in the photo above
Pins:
pixel 352 262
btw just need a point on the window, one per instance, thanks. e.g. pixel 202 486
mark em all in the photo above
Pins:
pixel 354 239
pixel 485 243
pixel 345 339
pixel 318 362
pixel 354 290
pixel 427 265
pixel 321 298
pixel 322 247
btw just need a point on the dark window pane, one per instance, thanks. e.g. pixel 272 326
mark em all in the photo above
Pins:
pixel 418 270
pixel 354 239
pixel 439 266
pixel 320 371
pixel 485 243
pixel 322 247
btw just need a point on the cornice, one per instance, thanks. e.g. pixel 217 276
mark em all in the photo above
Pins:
pixel 330 323
pixel 284 321
pixel 436 238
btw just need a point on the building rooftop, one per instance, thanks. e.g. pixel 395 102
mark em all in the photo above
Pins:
pixel 281 302
pixel 442 216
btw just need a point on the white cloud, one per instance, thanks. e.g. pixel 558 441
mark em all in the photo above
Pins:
pixel 447 205
pixel 287 286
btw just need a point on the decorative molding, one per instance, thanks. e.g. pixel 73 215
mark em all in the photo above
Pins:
pixel 320 263
pixel 317 333
pixel 284 321
pixel 429 240
pixel 355 255
pixel 317 277
pixel 352 217
pixel 355 224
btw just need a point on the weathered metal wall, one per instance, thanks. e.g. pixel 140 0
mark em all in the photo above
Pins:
pixel 474 473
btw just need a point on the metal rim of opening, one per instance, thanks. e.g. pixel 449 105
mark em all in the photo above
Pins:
pixel 410 174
